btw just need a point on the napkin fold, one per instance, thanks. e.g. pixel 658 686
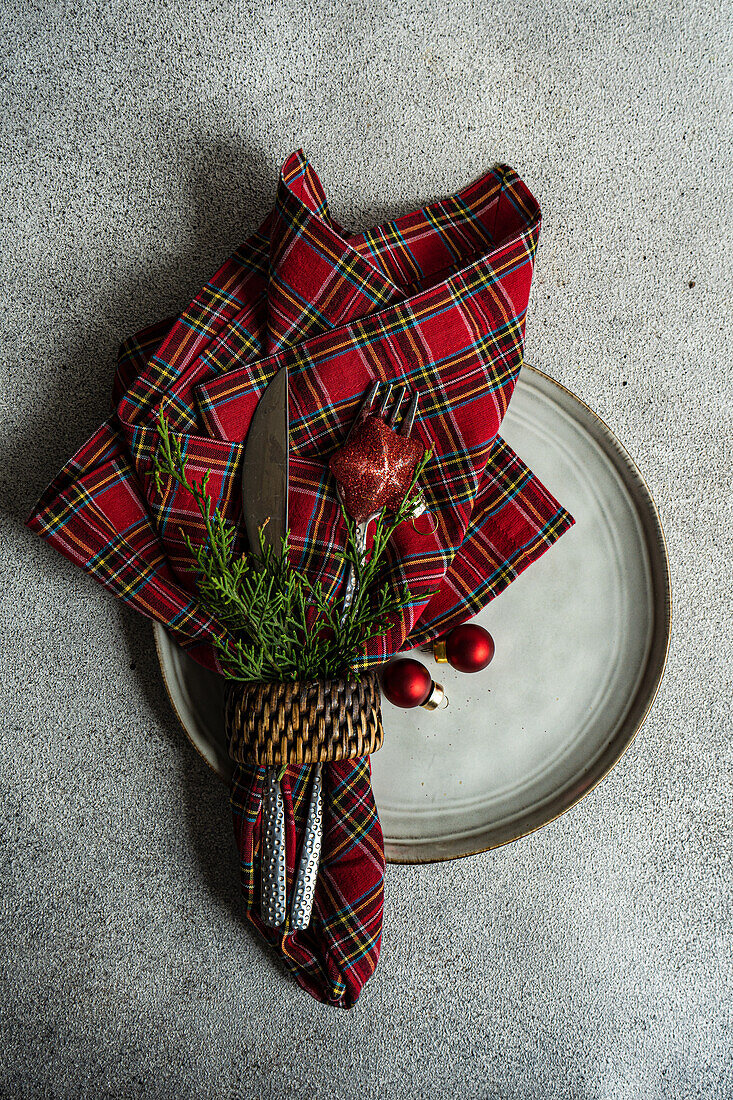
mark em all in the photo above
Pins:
pixel 435 299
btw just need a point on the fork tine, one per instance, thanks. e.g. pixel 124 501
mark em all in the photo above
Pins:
pixel 392 418
pixel 368 401
pixel 384 401
pixel 409 418
pixel 365 406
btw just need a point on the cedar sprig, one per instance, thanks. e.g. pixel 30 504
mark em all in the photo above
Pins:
pixel 277 623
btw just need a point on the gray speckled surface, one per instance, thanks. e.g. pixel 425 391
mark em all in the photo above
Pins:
pixel 591 960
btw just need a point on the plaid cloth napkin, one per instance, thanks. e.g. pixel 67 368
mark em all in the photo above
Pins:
pixel 435 298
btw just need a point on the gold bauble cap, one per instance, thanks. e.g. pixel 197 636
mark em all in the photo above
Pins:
pixel 437 699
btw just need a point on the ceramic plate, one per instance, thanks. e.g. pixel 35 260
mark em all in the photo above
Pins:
pixel 581 642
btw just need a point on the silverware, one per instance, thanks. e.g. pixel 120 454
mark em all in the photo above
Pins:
pixel 273 893
pixel 302 903
pixel 305 882
pixel 265 471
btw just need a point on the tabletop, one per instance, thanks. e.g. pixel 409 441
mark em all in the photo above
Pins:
pixel 141 145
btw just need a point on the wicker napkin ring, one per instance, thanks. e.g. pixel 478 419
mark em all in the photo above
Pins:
pixel 303 723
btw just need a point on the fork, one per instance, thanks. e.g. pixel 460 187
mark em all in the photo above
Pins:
pixel 305 883
pixel 364 410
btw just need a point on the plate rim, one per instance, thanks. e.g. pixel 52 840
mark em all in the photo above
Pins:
pixel 647 689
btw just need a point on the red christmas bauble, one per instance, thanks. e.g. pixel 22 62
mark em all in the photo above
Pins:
pixel 407 683
pixel 469 648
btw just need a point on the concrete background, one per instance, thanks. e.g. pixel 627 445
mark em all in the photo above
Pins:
pixel 141 143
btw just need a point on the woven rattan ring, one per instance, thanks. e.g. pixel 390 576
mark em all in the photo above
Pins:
pixel 303 723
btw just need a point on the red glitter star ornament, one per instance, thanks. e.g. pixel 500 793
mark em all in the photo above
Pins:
pixel 374 468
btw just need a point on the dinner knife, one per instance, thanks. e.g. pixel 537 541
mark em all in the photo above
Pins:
pixel 265 470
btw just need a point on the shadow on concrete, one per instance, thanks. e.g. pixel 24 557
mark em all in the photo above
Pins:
pixel 228 187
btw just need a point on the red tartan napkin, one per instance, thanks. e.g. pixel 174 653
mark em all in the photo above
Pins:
pixel 436 298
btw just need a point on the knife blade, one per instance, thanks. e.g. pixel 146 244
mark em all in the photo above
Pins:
pixel 266 467
pixel 265 472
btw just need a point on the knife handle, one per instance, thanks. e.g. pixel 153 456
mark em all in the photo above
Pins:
pixel 310 856
pixel 273 883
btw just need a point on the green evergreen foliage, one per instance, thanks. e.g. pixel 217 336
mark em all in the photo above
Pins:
pixel 276 624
